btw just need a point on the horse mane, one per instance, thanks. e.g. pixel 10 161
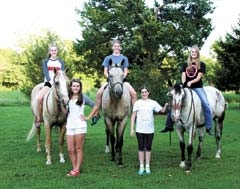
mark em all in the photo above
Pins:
pixel 177 87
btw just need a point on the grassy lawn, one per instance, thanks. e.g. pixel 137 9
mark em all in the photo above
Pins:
pixel 23 167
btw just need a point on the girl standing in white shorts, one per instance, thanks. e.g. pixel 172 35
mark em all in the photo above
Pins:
pixel 76 127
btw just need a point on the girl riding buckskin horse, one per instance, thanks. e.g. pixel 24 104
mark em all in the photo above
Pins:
pixel 116 58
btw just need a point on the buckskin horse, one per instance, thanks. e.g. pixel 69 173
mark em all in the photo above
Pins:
pixel 116 105
pixel 54 113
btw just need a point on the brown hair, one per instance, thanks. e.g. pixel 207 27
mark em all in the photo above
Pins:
pixel 80 96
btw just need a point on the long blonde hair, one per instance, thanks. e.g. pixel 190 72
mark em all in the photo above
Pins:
pixel 197 60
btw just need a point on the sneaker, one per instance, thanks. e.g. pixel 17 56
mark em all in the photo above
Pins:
pixel 147 170
pixel 95 119
pixel 73 173
pixel 166 129
pixel 210 132
pixel 141 171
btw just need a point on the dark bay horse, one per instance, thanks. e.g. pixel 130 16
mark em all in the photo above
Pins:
pixel 54 113
pixel 187 113
pixel 116 106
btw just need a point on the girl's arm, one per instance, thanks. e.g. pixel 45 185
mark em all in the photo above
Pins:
pixel 133 118
pixel 199 76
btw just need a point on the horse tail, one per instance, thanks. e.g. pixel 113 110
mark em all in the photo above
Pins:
pixel 31 133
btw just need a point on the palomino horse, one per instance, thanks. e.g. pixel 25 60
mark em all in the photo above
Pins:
pixel 54 112
pixel 187 113
pixel 116 105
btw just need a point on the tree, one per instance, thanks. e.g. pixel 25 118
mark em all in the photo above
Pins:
pixel 227 53
pixel 34 50
pixel 11 70
pixel 148 37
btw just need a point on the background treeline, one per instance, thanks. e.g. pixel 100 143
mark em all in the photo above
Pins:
pixel 156 41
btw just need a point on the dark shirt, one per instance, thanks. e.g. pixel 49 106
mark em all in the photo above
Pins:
pixel 191 73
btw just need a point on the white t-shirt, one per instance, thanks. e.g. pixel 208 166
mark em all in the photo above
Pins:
pixel 53 64
pixel 145 119
pixel 73 119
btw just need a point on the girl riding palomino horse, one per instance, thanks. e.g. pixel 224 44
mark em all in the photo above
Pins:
pixel 49 64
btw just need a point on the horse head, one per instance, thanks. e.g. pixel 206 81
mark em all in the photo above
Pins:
pixel 60 84
pixel 177 94
pixel 115 79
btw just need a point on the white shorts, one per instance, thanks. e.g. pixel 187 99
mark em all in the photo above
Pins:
pixel 75 131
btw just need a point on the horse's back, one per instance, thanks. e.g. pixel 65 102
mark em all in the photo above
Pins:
pixel 216 100
pixel 34 93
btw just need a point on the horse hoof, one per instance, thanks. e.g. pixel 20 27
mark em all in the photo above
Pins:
pixel 217 156
pixel 48 163
pixel 107 150
pixel 187 172
pixel 62 161
pixel 182 164
pixel 120 165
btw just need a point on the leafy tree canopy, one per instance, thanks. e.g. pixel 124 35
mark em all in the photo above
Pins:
pixel 154 39
pixel 227 53
pixel 34 50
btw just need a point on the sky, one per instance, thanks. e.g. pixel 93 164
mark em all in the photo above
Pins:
pixel 19 18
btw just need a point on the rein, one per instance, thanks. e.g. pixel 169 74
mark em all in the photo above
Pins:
pixel 114 84
pixel 192 107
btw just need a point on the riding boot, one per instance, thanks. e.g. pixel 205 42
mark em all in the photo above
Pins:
pixel 210 131
pixel 168 125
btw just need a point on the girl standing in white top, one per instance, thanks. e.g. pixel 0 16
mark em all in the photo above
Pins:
pixel 76 127
pixel 142 115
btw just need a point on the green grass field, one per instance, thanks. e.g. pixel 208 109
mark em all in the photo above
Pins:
pixel 22 167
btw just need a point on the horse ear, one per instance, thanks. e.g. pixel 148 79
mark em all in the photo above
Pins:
pixel 55 70
pixel 110 62
pixel 120 64
pixel 66 70
pixel 169 83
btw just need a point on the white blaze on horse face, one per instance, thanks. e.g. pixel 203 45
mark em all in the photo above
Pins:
pixel 62 79
pixel 176 106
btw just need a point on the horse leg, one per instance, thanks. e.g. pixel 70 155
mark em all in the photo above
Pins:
pixel 61 143
pixel 112 140
pixel 200 142
pixel 107 149
pixel 218 131
pixel 182 146
pixel 48 143
pixel 38 129
pixel 199 148
pixel 119 143
pixel 189 160
pixel 183 158
pixel 190 149
pixel 119 150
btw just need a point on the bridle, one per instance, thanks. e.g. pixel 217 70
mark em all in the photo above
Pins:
pixel 58 97
pixel 178 106
pixel 110 82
